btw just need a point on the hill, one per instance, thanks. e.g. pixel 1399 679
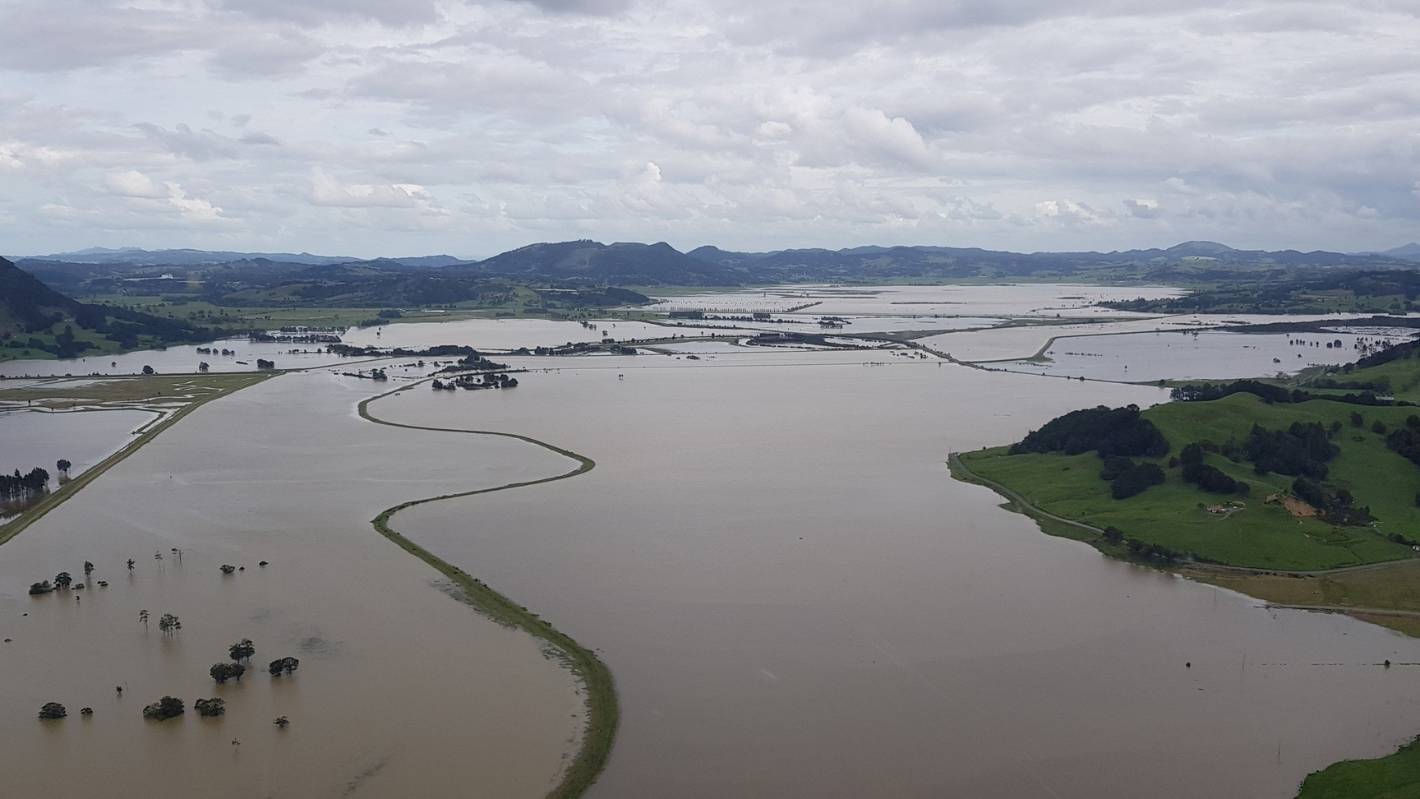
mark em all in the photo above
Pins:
pixel 1194 261
pixel 37 321
pixel 613 264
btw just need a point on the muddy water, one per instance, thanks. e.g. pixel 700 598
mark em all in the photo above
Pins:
pixel 797 600
pixel 1198 355
pixel 179 359
pixel 402 690
pixel 32 438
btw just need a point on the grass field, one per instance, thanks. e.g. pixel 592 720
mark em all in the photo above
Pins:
pixel 1395 776
pixel 1263 536
pixel 56 393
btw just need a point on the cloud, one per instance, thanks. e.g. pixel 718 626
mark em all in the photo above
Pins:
pixel 474 125
pixel 326 190
pixel 1142 208
pixel 132 183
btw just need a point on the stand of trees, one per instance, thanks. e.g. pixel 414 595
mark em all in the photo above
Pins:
pixel 24 486
pixel 1127 478
pixel 1108 431
pixel 1272 394
pixel 1303 449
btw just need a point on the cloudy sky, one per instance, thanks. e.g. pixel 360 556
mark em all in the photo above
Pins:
pixel 396 127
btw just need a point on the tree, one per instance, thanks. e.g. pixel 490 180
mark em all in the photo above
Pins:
pixel 143 617
pixel 88 568
pixel 169 707
pixel 215 706
pixel 52 710
pixel 284 666
pixel 148 370
pixel 221 672
pixel 63 465
pixel 62 580
pixel 169 624
pixel 203 367
pixel 242 650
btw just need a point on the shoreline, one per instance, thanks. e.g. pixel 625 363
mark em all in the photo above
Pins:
pixel 1200 572
pixel 603 712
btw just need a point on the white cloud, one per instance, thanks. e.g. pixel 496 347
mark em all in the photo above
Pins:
pixel 477 125
pixel 132 183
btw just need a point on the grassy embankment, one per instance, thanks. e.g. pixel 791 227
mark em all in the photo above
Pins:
pixel 603 711
pixel 1396 776
pixel 125 392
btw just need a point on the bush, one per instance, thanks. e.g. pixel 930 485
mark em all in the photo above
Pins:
pixel 1136 480
pixel 1210 478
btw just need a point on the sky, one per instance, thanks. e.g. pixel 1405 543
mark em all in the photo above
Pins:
pixel 404 127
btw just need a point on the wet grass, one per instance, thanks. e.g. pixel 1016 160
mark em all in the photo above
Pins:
pixel 131 389
pixel 603 710
pixel 1396 776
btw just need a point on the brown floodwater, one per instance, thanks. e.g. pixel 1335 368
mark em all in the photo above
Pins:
pixel 797 600
pixel 401 691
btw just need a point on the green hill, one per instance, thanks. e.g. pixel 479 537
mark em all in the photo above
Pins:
pixel 37 321
pixel 1175 516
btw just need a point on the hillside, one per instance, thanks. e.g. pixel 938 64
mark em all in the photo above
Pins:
pixel 613 264
pixel 1194 261
pixel 1174 514
pixel 37 321
pixel 1391 290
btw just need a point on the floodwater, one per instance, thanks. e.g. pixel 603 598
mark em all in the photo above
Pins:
pixel 402 690
pixel 508 334
pixel 34 438
pixel 793 595
pixel 797 600
pixel 180 359
pixel 1022 299
pixel 1185 355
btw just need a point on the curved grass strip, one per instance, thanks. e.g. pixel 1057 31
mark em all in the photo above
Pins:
pixel 603 712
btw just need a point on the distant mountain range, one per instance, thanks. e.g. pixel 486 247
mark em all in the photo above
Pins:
pixel 134 256
pixel 260 277
pixel 1409 251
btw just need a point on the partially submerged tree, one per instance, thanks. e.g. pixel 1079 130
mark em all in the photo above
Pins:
pixel 169 707
pixel 221 672
pixel 62 580
pixel 215 706
pixel 242 650
pixel 88 568
pixel 282 722
pixel 52 710
pixel 64 466
pixel 228 568
pixel 143 617
pixel 169 624
pixel 41 587
pixel 282 666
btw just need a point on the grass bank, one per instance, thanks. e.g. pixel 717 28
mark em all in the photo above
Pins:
pixel 1395 776
pixel 603 712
